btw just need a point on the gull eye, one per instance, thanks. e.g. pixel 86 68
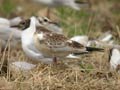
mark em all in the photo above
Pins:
pixel 23 23
pixel 45 20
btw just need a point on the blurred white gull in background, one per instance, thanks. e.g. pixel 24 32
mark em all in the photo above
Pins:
pixel 15 21
pixel 106 37
pixel 9 31
pixel 104 40
pixel 114 59
pixel 57 3
pixel 72 56
pixel 12 34
pixel 10 22
pixel 82 39
pixel 4 22
pixel 22 65
pixel 19 68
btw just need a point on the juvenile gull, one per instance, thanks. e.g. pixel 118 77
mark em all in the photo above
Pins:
pixel 44 43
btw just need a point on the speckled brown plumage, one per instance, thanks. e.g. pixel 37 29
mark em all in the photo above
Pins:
pixel 55 45
pixel 42 29
pixel 75 44
pixel 57 40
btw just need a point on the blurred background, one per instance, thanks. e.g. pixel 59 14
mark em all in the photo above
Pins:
pixel 99 17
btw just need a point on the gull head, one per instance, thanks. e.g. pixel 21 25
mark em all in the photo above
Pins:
pixel 50 25
pixel 44 21
pixel 24 24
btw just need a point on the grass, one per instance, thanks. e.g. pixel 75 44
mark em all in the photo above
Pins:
pixel 7 7
pixel 72 26
pixel 89 72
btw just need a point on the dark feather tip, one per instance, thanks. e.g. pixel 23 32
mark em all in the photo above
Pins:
pixel 90 49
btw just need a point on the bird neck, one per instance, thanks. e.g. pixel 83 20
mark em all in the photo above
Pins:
pixel 31 27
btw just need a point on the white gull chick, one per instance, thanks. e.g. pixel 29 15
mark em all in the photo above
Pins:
pixel 114 59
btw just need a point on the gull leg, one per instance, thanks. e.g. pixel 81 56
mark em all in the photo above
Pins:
pixel 55 60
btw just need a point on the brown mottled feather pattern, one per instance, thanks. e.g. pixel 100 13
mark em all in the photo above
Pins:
pixel 52 44
pixel 43 29
pixel 55 40
pixel 75 44
pixel 58 40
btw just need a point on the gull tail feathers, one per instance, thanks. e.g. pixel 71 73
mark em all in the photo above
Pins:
pixel 77 54
pixel 79 48
pixel 90 49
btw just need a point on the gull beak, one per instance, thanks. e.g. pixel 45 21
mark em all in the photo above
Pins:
pixel 55 23
pixel 17 26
